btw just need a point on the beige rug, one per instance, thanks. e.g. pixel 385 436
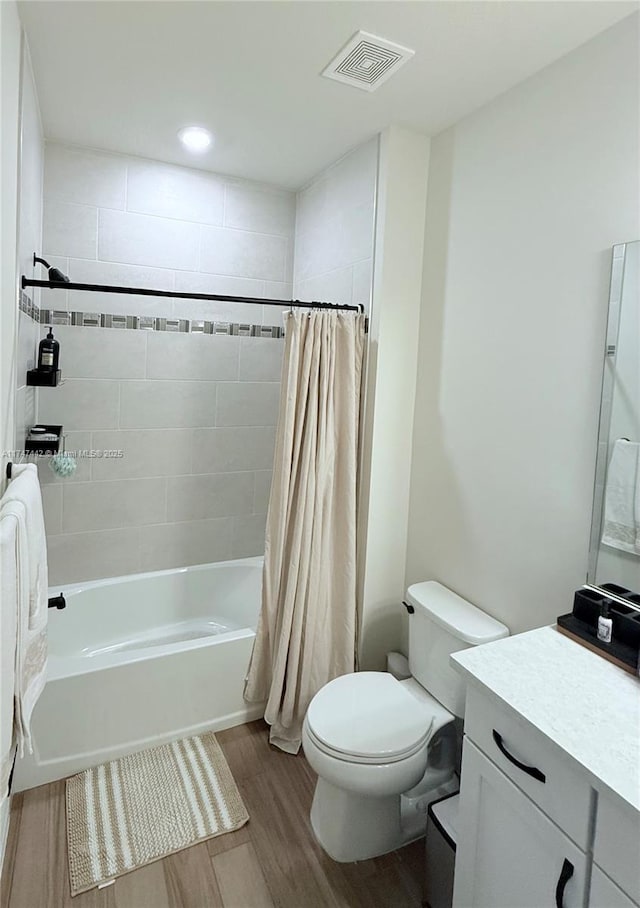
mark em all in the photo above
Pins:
pixel 140 808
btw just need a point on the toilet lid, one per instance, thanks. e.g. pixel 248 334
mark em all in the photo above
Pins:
pixel 369 714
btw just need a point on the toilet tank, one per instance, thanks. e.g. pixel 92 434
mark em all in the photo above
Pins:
pixel 443 623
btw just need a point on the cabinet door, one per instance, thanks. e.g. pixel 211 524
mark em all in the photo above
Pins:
pixel 605 894
pixel 510 855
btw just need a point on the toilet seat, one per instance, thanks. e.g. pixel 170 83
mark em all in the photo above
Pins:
pixel 371 717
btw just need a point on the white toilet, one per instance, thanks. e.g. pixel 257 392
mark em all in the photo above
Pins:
pixel 384 748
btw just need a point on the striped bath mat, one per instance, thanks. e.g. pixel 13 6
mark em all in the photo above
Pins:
pixel 140 808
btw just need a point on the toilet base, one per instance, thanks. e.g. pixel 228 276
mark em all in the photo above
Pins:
pixel 351 827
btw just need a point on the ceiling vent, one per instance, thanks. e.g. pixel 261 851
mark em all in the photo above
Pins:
pixel 367 61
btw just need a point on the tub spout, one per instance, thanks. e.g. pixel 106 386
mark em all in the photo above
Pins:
pixel 58 602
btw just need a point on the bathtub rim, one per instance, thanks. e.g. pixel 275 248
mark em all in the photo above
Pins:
pixel 80 586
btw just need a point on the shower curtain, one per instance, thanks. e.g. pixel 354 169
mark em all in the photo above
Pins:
pixel 306 633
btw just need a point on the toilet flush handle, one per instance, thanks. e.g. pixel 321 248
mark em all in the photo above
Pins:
pixel 408 607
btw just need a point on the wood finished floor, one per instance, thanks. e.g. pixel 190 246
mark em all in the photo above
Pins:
pixel 272 862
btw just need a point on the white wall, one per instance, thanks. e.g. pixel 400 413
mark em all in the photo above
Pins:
pixel 10 52
pixel 526 198
pixel 334 230
pixel 193 414
pixel 391 388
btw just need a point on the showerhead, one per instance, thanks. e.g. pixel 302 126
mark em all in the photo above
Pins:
pixel 55 275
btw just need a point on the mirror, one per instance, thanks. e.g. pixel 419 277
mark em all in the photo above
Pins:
pixel 614 555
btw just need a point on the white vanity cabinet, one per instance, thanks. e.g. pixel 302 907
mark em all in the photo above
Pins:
pixel 605 894
pixel 550 789
pixel 510 855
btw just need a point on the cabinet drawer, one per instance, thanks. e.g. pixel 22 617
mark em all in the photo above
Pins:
pixel 536 766
pixel 617 844
pixel 605 894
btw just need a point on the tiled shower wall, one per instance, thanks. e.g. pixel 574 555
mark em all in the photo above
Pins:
pixel 192 414
pixel 29 240
pixel 335 230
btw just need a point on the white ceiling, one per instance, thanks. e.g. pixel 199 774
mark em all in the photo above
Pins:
pixel 125 76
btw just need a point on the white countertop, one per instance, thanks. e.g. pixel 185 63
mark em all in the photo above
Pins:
pixel 580 701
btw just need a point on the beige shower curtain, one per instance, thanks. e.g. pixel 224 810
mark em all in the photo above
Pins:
pixel 306 634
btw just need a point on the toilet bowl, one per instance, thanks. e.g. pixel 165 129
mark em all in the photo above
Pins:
pixel 385 748
pixel 368 736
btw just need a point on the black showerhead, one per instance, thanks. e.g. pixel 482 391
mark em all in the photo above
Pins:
pixel 55 275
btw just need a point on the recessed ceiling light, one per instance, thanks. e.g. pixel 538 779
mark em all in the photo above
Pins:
pixel 195 138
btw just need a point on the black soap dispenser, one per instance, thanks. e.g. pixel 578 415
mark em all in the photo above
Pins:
pixel 48 353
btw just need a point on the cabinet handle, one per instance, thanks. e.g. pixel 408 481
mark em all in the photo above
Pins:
pixel 530 770
pixel 565 875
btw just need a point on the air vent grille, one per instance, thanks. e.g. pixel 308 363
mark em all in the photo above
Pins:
pixel 367 61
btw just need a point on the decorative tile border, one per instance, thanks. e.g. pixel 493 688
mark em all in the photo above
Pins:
pixel 144 322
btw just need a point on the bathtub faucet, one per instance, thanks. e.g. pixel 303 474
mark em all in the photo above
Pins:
pixel 58 602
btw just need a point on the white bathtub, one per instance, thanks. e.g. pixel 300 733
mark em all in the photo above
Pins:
pixel 137 661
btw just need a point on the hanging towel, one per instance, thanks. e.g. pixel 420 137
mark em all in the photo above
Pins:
pixel 25 488
pixel 622 498
pixel 26 558
pixel 9 599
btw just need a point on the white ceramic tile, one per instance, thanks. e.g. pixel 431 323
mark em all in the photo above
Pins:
pixel 70 229
pixel 80 404
pixel 278 290
pixel 233 448
pixel 20 417
pixel 167 404
pixel 101 353
pixel 209 495
pixel 146 452
pixel 319 250
pixel 259 209
pixel 196 282
pixel 108 505
pixel 179 544
pixel 175 192
pixel 248 536
pixel 91 556
pixel 260 359
pixel 312 204
pixel 52 507
pixel 332 287
pixel 248 403
pixel 86 177
pixel 85 272
pixel 362 283
pixel 138 239
pixel 356 235
pixel 242 254
pixel 77 444
pixel 262 491
pixel 198 357
pixel 28 340
pixel 351 181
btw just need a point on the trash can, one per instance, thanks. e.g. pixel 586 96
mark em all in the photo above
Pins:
pixel 442 837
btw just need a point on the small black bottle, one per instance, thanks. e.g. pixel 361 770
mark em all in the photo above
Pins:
pixel 48 353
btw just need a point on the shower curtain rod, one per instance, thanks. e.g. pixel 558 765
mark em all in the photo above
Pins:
pixel 175 294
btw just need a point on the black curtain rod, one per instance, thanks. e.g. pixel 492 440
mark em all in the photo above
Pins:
pixel 215 297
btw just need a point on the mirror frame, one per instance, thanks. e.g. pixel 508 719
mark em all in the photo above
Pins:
pixel 618 258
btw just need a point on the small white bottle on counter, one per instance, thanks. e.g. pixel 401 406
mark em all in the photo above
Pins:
pixel 605 624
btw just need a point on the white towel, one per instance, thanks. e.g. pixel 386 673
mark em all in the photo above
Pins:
pixel 25 488
pixel 9 599
pixel 622 498
pixel 22 503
